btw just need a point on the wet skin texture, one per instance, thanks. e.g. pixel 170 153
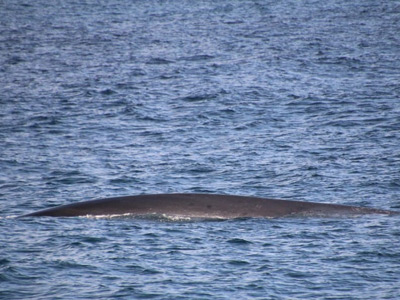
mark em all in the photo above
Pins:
pixel 203 206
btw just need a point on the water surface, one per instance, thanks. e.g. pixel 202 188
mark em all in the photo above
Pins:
pixel 293 99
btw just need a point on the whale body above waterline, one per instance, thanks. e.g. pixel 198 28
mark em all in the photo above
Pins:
pixel 208 206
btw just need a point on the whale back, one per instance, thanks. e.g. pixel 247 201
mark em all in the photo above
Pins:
pixel 202 206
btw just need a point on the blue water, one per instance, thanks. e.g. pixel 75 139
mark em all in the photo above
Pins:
pixel 284 99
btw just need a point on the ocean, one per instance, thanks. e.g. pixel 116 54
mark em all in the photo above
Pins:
pixel 296 100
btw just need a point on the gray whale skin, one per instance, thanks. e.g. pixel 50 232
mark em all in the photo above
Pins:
pixel 203 206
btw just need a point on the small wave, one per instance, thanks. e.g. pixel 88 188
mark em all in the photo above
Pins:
pixel 199 97
pixel 9 217
pixel 239 241
pixel 158 61
pixel 156 217
pixel 111 216
pixel 197 57
pixel 107 92
pixel 238 262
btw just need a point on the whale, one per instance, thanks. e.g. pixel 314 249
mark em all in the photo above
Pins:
pixel 207 206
